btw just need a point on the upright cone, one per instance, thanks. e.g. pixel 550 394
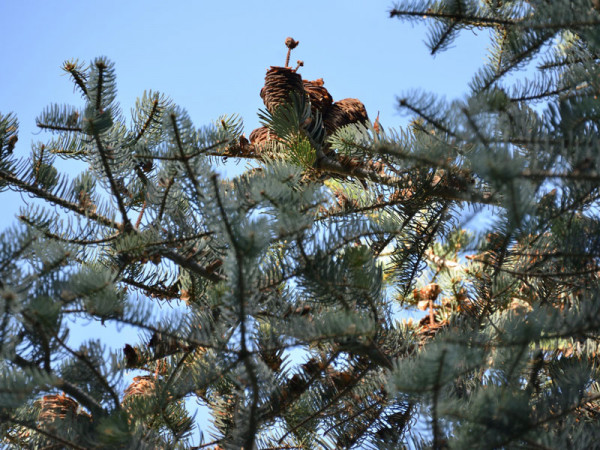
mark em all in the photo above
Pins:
pixel 344 112
pixel 280 82
pixel 320 98
pixel 261 136
pixel 58 406
pixel 142 385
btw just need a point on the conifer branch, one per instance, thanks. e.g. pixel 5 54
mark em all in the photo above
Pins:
pixel 45 126
pixel 187 156
pixel 74 391
pixel 56 237
pixel 518 59
pixel 42 193
pixel 190 173
pixel 403 102
pixel 172 335
pixel 151 117
pixel 77 76
pixel 331 402
pixel 48 433
pixel 468 19
pixel 82 397
pixel 486 21
pixel 441 40
pixel 351 417
pixel 111 180
pixel 101 67
pixel 101 379
pixel 542 95
pixel 190 265
pixel 275 410
pixel 152 291
pixel 16 254
pixel 163 201
pixel 244 355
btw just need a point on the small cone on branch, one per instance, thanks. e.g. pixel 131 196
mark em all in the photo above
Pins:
pixel 142 385
pixel 320 98
pixel 280 82
pixel 260 136
pixel 344 112
pixel 55 407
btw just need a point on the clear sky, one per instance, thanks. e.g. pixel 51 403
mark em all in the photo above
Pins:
pixel 210 57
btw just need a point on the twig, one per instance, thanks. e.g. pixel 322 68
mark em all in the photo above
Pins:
pixel 110 177
pixel 48 434
pixel 41 193
pixel 190 265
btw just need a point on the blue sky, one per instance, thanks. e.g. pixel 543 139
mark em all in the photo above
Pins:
pixel 211 58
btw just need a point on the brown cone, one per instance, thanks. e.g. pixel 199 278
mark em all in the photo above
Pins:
pixel 261 136
pixel 279 83
pixel 320 98
pixel 344 112
pixel 142 385
pixel 57 407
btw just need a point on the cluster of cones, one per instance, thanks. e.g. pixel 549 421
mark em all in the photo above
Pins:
pixel 281 82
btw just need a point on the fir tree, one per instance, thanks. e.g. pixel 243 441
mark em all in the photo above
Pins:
pixel 287 280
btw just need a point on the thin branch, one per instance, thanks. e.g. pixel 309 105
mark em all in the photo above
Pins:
pixel 41 193
pixel 48 434
pixel 163 202
pixel 329 404
pixel 353 416
pixel 190 265
pixel 192 342
pixel 92 368
pixel 77 77
pixel 111 179
pixel 184 156
pixel 516 61
pixel 445 36
pixel 152 290
pixel 147 123
pixel 479 21
pixel 56 237
pixel 465 18
pixel 138 222
pixel 404 103
pixel 45 126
